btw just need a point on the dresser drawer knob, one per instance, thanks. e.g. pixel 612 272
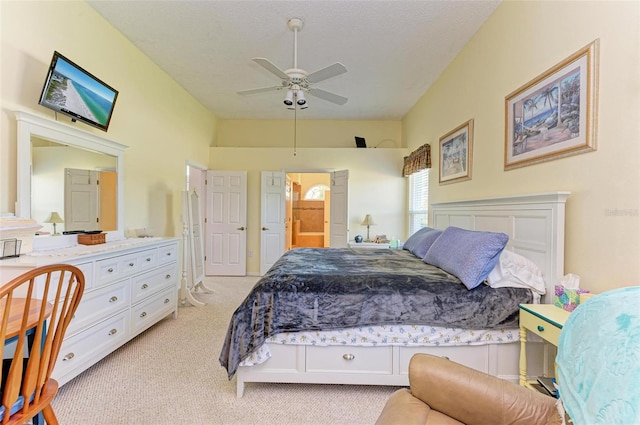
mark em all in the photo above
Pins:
pixel 113 331
pixel 167 300
pixel 540 328
pixel 148 259
pixel 143 314
pixel 145 286
pixel 445 357
pixel 169 254
pixel 131 264
pixel 348 357
pixel 68 357
pixel 110 269
pixel 168 276
pixel 113 299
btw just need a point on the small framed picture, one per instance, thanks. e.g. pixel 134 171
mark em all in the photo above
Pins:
pixel 554 115
pixel 456 154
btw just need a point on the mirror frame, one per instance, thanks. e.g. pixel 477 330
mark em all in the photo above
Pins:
pixel 30 125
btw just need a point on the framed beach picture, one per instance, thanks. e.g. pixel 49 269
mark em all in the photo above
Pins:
pixel 456 154
pixel 554 115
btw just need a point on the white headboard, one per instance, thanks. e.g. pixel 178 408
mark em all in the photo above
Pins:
pixel 534 223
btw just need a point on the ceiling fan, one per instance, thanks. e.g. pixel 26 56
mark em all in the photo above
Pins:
pixel 297 81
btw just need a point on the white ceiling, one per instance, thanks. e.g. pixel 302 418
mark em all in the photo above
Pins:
pixel 393 50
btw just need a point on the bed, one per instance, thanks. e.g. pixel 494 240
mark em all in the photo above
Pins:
pixel 287 329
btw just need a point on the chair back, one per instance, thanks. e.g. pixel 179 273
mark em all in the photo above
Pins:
pixel 35 310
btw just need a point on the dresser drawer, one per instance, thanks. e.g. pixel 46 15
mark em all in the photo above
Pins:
pixel 92 344
pixel 168 253
pixel 370 360
pixel 111 269
pixel 149 312
pixel 540 327
pixel 153 281
pixel 98 304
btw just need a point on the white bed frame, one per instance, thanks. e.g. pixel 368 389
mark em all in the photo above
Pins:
pixel 535 225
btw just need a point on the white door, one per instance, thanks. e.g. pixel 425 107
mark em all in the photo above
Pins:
pixel 226 223
pixel 81 200
pixel 339 209
pixel 272 217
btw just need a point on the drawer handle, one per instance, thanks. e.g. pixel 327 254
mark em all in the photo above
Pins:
pixel 131 264
pixel 167 300
pixel 540 328
pixel 169 254
pixel 143 314
pixel 348 357
pixel 113 299
pixel 148 259
pixel 110 269
pixel 113 331
pixel 68 357
pixel 145 286
pixel 168 276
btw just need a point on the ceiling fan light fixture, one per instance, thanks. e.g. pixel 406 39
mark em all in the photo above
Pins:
pixel 288 100
pixel 300 99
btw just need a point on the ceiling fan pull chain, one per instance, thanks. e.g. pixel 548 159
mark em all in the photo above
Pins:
pixel 295 127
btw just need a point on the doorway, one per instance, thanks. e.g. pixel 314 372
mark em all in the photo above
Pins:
pixel 308 210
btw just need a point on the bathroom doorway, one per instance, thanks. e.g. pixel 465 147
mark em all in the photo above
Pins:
pixel 308 210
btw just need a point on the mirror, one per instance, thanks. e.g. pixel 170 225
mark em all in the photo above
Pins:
pixel 79 184
pixel 47 151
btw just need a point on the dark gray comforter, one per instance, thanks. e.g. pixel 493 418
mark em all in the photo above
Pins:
pixel 321 289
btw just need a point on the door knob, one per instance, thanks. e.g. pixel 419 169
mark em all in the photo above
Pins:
pixel 241 228
pixel 265 228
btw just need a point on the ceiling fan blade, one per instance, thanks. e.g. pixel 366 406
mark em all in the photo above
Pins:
pixel 269 66
pixel 331 97
pixel 328 72
pixel 260 90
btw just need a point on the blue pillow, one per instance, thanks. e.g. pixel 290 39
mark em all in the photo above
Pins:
pixel 425 242
pixel 413 239
pixel 469 255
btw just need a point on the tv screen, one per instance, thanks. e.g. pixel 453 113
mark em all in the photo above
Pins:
pixel 71 90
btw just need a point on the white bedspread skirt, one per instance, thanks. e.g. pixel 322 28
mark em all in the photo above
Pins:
pixel 374 336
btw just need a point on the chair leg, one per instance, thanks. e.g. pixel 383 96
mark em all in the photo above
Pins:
pixel 49 416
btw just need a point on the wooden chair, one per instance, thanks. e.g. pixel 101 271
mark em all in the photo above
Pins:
pixel 35 310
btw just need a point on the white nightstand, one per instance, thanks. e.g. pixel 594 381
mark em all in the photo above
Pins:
pixel 368 245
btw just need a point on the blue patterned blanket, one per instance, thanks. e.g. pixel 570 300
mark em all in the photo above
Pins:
pixel 322 289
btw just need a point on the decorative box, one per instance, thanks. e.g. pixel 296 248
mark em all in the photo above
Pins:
pixel 94 239
pixel 567 299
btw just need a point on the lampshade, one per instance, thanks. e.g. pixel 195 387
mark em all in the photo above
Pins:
pixel 55 218
pixel 368 221
pixel 300 99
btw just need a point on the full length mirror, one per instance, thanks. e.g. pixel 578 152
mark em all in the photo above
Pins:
pixel 53 159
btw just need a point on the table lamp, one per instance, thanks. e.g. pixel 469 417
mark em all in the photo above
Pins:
pixel 368 221
pixel 55 219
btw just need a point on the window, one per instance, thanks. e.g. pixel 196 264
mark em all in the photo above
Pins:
pixel 316 192
pixel 418 200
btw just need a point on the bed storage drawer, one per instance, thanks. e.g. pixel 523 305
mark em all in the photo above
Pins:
pixel 473 356
pixel 370 360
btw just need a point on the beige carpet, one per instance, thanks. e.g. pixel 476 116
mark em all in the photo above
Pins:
pixel 170 375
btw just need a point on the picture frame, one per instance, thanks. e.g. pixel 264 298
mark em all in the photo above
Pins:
pixel 456 154
pixel 554 115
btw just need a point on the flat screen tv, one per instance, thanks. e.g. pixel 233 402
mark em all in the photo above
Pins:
pixel 72 91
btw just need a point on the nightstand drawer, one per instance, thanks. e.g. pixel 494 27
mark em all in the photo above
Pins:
pixel 540 327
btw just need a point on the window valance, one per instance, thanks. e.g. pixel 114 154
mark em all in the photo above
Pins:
pixel 417 160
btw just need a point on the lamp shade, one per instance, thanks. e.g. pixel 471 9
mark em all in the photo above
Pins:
pixel 55 218
pixel 368 221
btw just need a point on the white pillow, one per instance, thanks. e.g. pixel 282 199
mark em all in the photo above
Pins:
pixel 514 270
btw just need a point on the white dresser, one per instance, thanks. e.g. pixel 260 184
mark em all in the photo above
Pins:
pixel 129 286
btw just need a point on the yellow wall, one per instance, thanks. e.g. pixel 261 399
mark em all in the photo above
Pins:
pixel 310 133
pixel 518 42
pixel 161 123
pixel 375 184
